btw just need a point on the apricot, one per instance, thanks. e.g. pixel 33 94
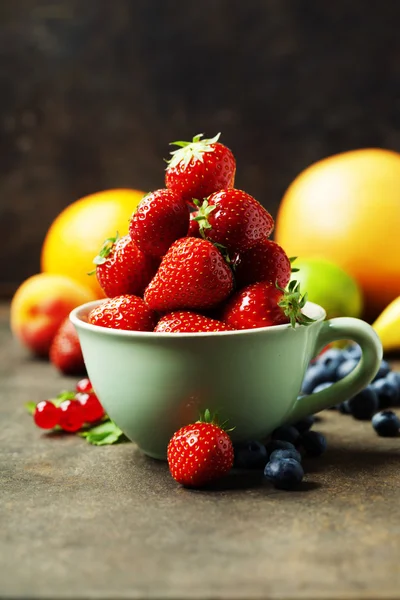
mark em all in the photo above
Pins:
pixel 41 304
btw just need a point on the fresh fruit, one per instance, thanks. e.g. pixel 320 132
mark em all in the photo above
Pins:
pixel 250 455
pixel 322 386
pixel 199 168
pixel 46 415
pixel 287 433
pixel 313 443
pixel 344 208
pixel 330 286
pixel 263 304
pixel 316 374
pixel 193 275
pixel 71 416
pixel 387 326
pixel 384 369
pixel 265 261
pixel 386 423
pixel 77 233
pixel 346 367
pixel 330 361
pixel 388 390
pixel 189 322
pixel 352 351
pixel 124 312
pixel 121 268
pixel 161 218
pixel 193 230
pixel 200 453
pixel 234 219
pixel 65 350
pixel 363 405
pixel 41 304
pixel 284 473
pixel 84 385
pixel 304 424
pixel 273 445
pixel 91 407
pixel 280 454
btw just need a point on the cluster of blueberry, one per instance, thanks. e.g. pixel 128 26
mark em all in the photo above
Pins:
pixel 372 402
pixel 281 457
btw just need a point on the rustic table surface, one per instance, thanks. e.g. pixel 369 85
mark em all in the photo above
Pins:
pixel 80 521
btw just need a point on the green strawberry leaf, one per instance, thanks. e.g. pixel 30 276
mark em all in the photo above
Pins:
pixel 106 433
pixel 30 407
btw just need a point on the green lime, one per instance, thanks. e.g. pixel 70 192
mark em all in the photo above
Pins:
pixel 330 286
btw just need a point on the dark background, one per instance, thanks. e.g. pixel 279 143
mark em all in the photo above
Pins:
pixel 93 91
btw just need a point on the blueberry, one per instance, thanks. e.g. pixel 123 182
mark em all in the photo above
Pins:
pixel 304 424
pixel 346 367
pixel 364 404
pixel 330 361
pixel 343 407
pixel 315 375
pixel 285 473
pixel 396 375
pixel 278 454
pixel 250 455
pixel 352 351
pixel 286 433
pixel 278 445
pixel 386 423
pixel 384 369
pixel 322 386
pixel 388 390
pixel 314 443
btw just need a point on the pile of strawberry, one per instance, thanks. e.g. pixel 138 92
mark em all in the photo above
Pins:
pixel 198 255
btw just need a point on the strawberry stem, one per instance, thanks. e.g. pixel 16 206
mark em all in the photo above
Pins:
pixel 208 417
pixel 194 150
pixel 106 249
pixel 292 303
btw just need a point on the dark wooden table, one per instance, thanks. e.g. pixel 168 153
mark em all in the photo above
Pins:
pixel 80 521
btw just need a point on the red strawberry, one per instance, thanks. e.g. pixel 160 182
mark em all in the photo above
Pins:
pixel 192 275
pixel 122 268
pixel 161 218
pixel 193 230
pixel 200 167
pixel 124 312
pixel 65 350
pixel 200 453
pixel 189 322
pixel 234 219
pixel 266 261
pixel 263 304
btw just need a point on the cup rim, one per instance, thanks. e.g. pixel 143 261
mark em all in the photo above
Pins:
pixel 311 309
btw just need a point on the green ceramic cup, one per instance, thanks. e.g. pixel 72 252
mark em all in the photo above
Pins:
pixel 151 384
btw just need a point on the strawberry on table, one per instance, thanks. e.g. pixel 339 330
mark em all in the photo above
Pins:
pixel 65 350
pixel 161 218
pixel 124 312
pixel 263 304
pixel 200 453
pixel 265 261
pixel 122 268
pixel 189 322
pixel 234 219
pixel 200 167
pixel 193 275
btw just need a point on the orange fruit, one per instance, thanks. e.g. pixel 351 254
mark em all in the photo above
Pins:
pixel 346 209
pixel 76 235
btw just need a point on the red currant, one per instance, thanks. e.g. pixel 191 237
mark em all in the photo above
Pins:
pixel 84 385
pixel 46 415
pixel 71 417
pixel 92 409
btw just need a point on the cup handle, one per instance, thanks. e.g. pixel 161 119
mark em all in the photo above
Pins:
pixel 343 328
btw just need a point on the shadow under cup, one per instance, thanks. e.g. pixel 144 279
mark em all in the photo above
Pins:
pixel 151 384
